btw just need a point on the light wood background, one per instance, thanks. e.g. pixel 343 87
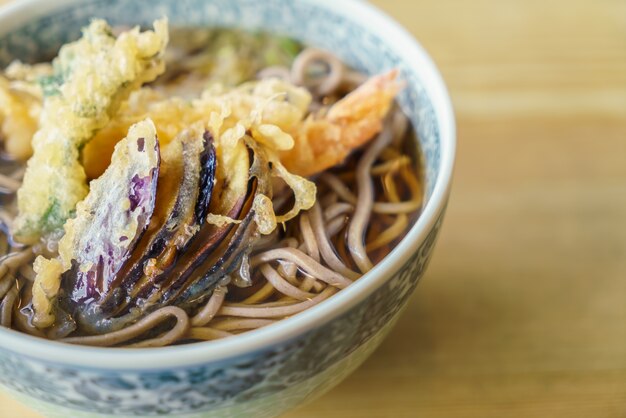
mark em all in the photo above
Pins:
pixel 523 310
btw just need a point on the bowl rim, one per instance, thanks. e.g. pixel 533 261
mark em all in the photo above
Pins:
pixel 120 359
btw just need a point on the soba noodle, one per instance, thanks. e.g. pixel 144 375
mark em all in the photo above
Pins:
pixel 363 209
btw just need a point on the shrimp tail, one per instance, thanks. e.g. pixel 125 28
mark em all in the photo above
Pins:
pixel 326 138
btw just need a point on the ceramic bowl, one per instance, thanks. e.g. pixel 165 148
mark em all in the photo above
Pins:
pixel 265 372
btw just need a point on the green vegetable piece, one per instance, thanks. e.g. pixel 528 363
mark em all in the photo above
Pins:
pixel 92 76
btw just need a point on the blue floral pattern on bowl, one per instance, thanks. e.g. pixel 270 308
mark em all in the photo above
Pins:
pixel 268 381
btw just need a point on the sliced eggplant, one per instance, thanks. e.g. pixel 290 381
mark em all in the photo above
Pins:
pixel 183 196
pixel 111 220
pixel 167 199
pixel 208 165
pixel 214 253
pixel 223 261
pixel 149 292
pixel 186 222
pixel 195 278
pixel 177 222
pixel 182 258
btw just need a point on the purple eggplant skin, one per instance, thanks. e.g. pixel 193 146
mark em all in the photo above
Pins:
pixel 111 220
pixel 202 278
pixel 89 285
pixel 238 247
pixel 187 277
pixel 148 297
pixel 215 253
pixel 208 162
pixel 221 261
pixel 188 216
pixel 205 243
pixel 99 319
pixel 169 238
pixel 187 213
pixel 216 240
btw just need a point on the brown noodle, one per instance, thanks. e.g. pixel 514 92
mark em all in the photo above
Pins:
pixel 317 254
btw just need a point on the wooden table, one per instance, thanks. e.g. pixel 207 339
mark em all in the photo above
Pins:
pixel 523 310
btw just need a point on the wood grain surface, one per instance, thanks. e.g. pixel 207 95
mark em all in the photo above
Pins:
pixel 523 310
